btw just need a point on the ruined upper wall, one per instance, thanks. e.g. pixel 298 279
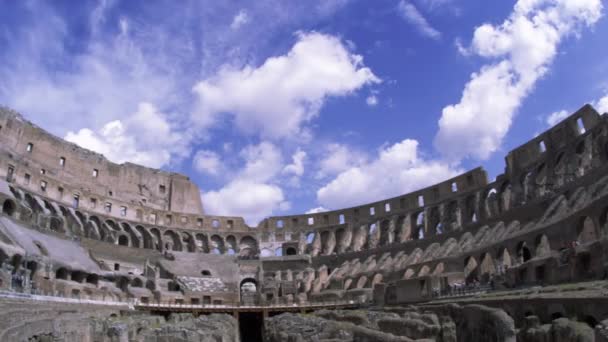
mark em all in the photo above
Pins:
pixel 64 166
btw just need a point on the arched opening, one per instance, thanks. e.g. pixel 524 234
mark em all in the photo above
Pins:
pixel 78 276
pixel 173 286
pixel 586 232
pixel 471 270
pixel 591 321
pixel 290 251
pixel 206 273
pixel 523 252
pixel 278 251
pixel 248 289
pixel 137 283
pixel 8 207
pixel 56 224
pixel 123 240
pixel 62 273
pixel 556 315
pixel 92 279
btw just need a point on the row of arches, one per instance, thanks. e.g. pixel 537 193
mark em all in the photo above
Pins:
pixel 73 222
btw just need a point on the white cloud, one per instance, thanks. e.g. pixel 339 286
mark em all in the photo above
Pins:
pixel 135 139
pixel 209 162
pixel 239 20
pixel 338 158
pixel 316 210
pixel 556 117
pixel 371 100
pixel 252 192
pixel 251 200
pixel 602 105
pixel 285 92
pixel 296 168
pixel 525 45
pixel 263 162
pixel 410 13
pixel 398 169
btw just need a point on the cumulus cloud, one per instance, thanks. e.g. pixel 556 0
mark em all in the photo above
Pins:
pixel 251 200
pixel 209 162
pixel 396 170
pixel 602 105
pixel 296 168
pixel 135 139
pixel 239 20
pixel 556 117
pixel 412 15
pixel 253 192
pixel 337 158
pixel 524 46
pixel 371 100
pixel 316 210
pixel 263 162
pixel 286 91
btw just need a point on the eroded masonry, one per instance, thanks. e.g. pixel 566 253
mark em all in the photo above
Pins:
pixel 95 251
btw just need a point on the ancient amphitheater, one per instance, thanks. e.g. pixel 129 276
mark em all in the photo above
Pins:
pixel 95 251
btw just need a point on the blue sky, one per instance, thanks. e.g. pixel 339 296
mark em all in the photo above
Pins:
pixel 277 107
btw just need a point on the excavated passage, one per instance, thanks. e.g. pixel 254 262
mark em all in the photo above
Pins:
pixel 251 325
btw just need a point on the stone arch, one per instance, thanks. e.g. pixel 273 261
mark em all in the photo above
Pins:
pixel 343 240
pixel 471 269
pixel 434 220
pixel 362 282
pixel 377 279
pixel 291 251
pixel 91 230
pixel 505 196
pixel 466 242
pixel 8 207
pixel 56 224
pixel 404 228
pixel 134 236
pixel 439 269
pixel 523 252
pixel 450 247
pixel 33 204
pixel 374 236
pixel 387 232
pixel 491 202
pixel 487 268
pixel 217 244
pixel 248 247
pixel 586 231
pixel 62 273
pixel 156 238
pixel 542 246
pixel 540 180
pixel 146 237
pixel 419 232
pixel 424 271
pixel 359 238
pixel 409 273
pixel 123 240
pixel 453 216
pixel 137 282
pixel 172 241
pixel 470 209
pixel 503 260
pixel 347 283
pixel 189 242
pixel 202 242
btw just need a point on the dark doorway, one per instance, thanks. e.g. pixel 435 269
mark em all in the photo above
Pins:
pixel 251 325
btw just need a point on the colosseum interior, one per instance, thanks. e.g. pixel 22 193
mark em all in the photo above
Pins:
pixel 95 251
